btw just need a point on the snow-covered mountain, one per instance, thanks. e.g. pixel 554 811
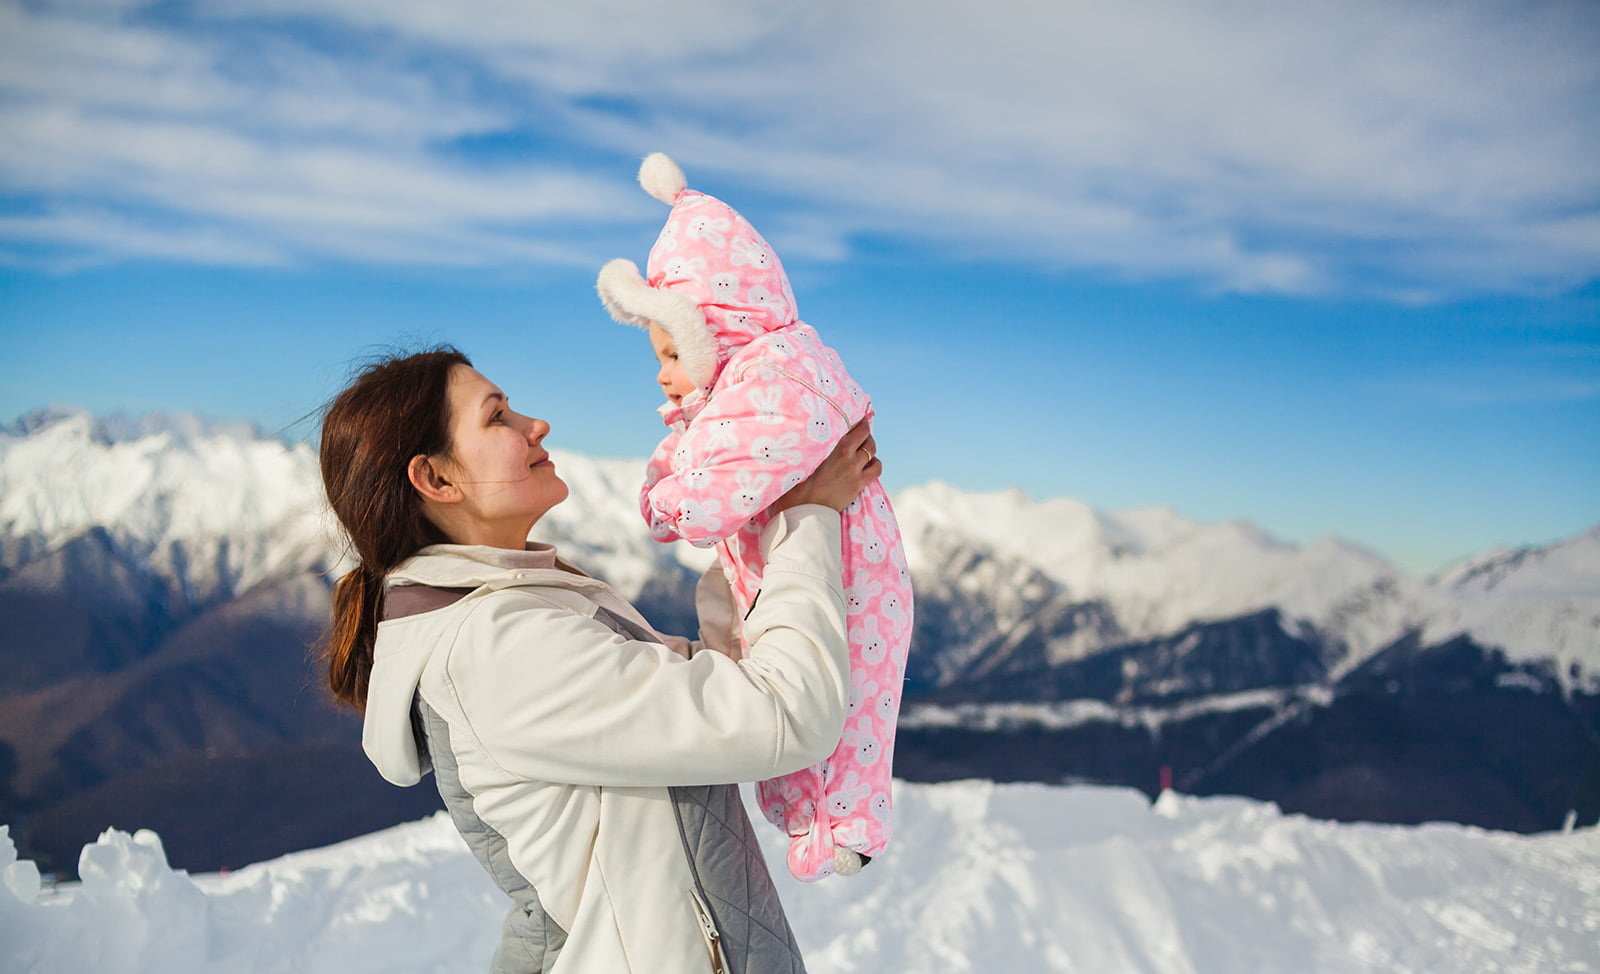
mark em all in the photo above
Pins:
pixel 212 510
pixel 161 579
pixel 1160 570
pixel 981 877
pixel 1529 599
pixel 215 510
pixel 1147 573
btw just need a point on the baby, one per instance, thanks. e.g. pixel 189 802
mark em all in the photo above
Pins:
pixel 755 401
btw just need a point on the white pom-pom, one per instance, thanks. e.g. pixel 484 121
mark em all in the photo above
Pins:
pixel 845 861
pixel 662 178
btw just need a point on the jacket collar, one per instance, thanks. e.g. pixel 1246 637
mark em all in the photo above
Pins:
pixel 461 565
pixel 399 661
pixel 387 735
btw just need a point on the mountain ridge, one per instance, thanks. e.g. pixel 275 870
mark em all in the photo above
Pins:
pixel 160 596
pixel 222 508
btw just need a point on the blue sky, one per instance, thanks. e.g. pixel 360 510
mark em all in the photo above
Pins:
pixel 1330 267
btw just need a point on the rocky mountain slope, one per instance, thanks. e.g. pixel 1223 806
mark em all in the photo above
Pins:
pixel 162 579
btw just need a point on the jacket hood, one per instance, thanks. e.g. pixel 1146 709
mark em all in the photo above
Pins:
pixel 712 282
pixel 406 644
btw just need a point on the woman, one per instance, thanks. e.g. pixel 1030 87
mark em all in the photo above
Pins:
pixel 588 761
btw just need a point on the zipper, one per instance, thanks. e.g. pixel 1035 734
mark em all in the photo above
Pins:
pixel 708 928
pixel 708 931
pixel 737 587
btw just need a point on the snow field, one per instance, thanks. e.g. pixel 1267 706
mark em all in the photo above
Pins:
pixel 981 877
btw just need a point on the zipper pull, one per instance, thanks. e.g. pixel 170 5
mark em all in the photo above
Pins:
pixel 713 938
pixel 711 931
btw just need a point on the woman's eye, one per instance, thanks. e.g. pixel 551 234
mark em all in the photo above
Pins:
pixel 499 414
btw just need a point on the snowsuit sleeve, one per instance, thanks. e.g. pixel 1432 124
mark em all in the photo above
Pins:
pixel 553 694
pixel 756 438
pixel 658 468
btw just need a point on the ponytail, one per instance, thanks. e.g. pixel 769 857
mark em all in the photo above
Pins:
pixel 357 608
pixel 396 409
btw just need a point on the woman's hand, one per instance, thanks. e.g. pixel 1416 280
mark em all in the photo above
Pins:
pixel 837 481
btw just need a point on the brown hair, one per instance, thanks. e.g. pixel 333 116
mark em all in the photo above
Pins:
pixel 395 409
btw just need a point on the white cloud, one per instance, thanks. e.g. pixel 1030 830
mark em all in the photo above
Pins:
pixel 85 238
pixel 1368 146
pixel 131 142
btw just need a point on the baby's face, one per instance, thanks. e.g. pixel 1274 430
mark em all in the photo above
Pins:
pixel 674 382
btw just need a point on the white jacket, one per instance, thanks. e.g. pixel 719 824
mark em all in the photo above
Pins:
pixel 567 736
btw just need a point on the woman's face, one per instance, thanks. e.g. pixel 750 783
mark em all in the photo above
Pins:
pixel 506 480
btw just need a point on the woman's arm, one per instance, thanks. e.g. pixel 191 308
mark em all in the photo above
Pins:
pixel 554 695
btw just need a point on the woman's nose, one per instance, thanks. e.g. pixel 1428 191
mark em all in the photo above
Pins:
pixel 534 429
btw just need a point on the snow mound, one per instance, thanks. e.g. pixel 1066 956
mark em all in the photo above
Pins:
pixel 982 877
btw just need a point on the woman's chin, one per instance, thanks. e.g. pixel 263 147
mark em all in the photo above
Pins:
pixel 560 492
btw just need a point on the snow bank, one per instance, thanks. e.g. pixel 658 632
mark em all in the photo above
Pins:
pixel 982 877
pixel 409 898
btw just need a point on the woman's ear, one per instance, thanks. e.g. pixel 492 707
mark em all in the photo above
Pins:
pixel 424 476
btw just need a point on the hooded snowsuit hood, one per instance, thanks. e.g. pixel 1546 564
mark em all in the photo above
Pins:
pixel 712 282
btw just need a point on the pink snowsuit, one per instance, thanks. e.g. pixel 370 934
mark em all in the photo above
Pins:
pixel 771 402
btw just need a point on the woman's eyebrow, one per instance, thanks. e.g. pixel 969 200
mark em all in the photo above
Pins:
pixel 491 397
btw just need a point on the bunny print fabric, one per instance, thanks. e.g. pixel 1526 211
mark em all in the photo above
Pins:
pixel 770 402
pixel 766 427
